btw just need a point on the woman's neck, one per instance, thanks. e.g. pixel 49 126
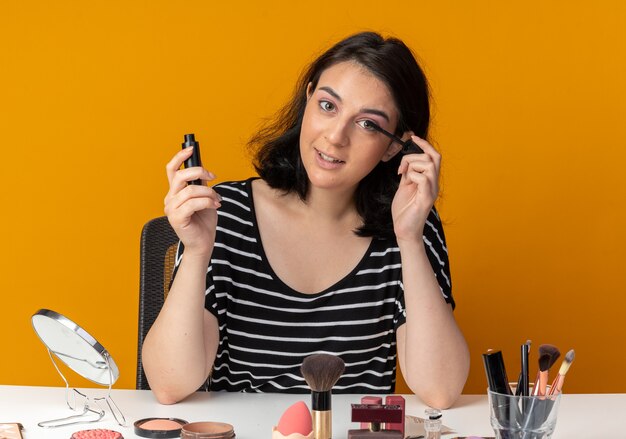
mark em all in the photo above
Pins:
pixel 332 206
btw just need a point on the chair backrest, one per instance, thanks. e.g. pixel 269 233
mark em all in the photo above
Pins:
pixel 157 258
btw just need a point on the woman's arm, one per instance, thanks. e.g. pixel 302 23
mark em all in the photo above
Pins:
pixel 432 352
pixel 179 350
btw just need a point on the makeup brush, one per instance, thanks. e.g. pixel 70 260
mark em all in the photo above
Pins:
pixel 321 372
pixel 408 147
pixel 557 384
pixel 548 354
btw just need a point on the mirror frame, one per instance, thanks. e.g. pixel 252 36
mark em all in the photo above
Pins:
pixel 89 341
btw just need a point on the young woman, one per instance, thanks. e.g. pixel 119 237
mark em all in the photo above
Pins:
pixel 336 248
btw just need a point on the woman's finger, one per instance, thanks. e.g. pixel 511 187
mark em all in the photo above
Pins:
pixel 176 162
pixel 428 149
pixel 423 183
pixel 181 216
pixel 190 192
pixel 183 176
pixel 414 160
pixel 420 165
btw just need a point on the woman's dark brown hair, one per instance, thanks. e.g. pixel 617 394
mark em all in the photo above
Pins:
pixel 276 147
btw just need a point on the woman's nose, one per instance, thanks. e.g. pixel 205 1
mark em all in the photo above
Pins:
pixel 337 132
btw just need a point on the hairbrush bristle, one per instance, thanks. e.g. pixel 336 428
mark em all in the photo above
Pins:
pixel 548 354
pixel 321 371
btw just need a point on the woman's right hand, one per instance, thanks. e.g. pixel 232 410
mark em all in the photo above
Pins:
pixel 191 209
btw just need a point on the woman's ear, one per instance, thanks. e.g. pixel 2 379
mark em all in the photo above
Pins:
pixel 309 90
pixel 394 147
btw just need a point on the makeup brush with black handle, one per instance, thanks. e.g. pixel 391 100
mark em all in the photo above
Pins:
pixel 321 372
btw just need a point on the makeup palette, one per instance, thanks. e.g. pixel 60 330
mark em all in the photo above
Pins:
pixel 159 427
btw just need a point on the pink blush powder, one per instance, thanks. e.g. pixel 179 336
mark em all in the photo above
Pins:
pixel 161 424
pixel 97 434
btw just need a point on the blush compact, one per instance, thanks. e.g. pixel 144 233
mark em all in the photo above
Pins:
pixel 98 433
pixel 159 427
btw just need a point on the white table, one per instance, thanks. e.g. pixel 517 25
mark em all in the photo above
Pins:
pixel 589 416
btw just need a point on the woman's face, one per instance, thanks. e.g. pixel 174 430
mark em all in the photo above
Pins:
pixel 337 148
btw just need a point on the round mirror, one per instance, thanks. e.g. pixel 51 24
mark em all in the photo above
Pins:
pixel 75 347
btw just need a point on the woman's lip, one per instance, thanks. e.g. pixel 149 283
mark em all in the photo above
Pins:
pixel 324 164
pixel 328 155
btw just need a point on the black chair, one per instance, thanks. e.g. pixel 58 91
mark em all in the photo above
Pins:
pixel 158 254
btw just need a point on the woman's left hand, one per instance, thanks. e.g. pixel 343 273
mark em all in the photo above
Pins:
pixel 418 190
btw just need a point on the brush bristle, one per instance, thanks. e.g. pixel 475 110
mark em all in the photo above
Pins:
pixel 544 362
pixel 567 362
pixel 321 371
pixel 548 354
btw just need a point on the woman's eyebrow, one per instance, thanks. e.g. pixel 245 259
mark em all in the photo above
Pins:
pixel 334 94
pixel 377 112
pixel 331 92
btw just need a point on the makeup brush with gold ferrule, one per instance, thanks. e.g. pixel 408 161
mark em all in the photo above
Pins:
pixel 557 384
pixel 321 372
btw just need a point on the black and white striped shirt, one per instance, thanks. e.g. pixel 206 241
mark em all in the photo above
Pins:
pixel 267 328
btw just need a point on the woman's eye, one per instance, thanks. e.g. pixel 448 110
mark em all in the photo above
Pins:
pixel 327 106
pixel 367 124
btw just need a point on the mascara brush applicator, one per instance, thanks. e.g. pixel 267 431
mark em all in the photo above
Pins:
pixel 321 372
pixel 408 146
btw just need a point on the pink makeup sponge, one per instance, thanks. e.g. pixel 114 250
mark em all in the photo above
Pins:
pixel 296 419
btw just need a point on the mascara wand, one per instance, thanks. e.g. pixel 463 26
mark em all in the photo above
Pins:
pixel 408 147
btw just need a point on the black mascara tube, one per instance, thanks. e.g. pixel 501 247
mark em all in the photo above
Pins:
pixel 496 372
pixel 499 383
pixel 194 160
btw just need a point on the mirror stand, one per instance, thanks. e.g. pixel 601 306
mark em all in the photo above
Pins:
pixel 84 355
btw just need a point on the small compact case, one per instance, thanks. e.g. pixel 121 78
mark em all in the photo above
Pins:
pixel 159 428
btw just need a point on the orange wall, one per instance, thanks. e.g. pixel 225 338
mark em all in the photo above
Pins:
pixel 529 102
